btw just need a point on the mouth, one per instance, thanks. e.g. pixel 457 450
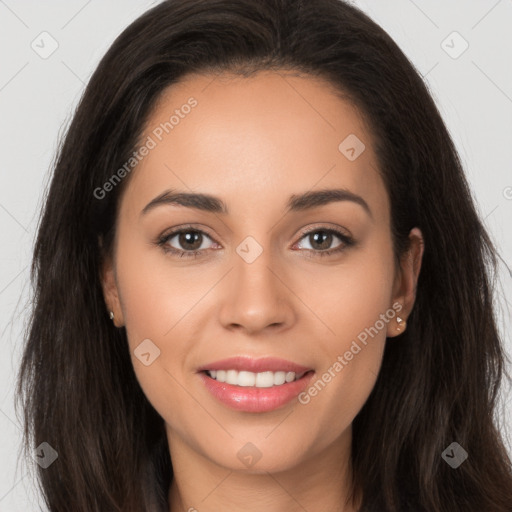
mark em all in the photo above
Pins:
pixel 267 379
pixel 255 385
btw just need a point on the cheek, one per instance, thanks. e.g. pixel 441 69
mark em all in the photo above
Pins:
pixel 156 292
pixel 156 300
pixel 350 297
pixel 354 302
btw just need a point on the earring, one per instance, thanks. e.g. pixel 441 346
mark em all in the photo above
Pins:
pixel 402 324
pixel 111 315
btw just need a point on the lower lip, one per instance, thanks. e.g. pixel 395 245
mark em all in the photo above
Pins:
pixel 253 399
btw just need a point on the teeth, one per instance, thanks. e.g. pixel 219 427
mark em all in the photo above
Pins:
pixel 250 379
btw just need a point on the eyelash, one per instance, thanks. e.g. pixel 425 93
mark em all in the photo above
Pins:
pixel 164 239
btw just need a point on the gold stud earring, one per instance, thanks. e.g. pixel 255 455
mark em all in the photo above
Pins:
pixel 402 324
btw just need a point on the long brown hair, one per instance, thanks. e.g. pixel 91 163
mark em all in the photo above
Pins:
pixel 439 381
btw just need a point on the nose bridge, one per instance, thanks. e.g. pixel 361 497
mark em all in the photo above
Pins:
pixel 253 268
pixel 257 297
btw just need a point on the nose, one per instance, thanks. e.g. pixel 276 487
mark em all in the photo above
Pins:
pixel 256 297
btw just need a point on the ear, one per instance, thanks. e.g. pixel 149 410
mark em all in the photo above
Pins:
pixel 110 290
pixel 404 289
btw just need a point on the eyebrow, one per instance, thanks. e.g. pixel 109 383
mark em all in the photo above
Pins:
pixel 296 202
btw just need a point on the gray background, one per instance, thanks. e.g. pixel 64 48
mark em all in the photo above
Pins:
pixel 37 97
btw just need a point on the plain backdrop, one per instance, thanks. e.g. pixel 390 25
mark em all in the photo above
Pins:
pixel 462 48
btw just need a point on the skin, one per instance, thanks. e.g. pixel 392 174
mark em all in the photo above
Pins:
pixel 253 142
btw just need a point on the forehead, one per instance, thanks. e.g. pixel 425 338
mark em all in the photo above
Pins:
pixel 255 140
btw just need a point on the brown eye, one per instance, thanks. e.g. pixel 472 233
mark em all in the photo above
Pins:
pixel 321 239
pixel 191 240
pixel 185 242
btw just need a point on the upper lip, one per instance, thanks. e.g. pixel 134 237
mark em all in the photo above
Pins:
pixel 250 364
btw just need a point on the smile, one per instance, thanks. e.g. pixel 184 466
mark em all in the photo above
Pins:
pixel 255 385
pixel 250 379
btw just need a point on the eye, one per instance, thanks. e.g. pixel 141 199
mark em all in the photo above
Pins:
pixel 190 242
pixel 321 239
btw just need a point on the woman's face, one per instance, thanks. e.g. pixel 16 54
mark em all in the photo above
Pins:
pixel 261 284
